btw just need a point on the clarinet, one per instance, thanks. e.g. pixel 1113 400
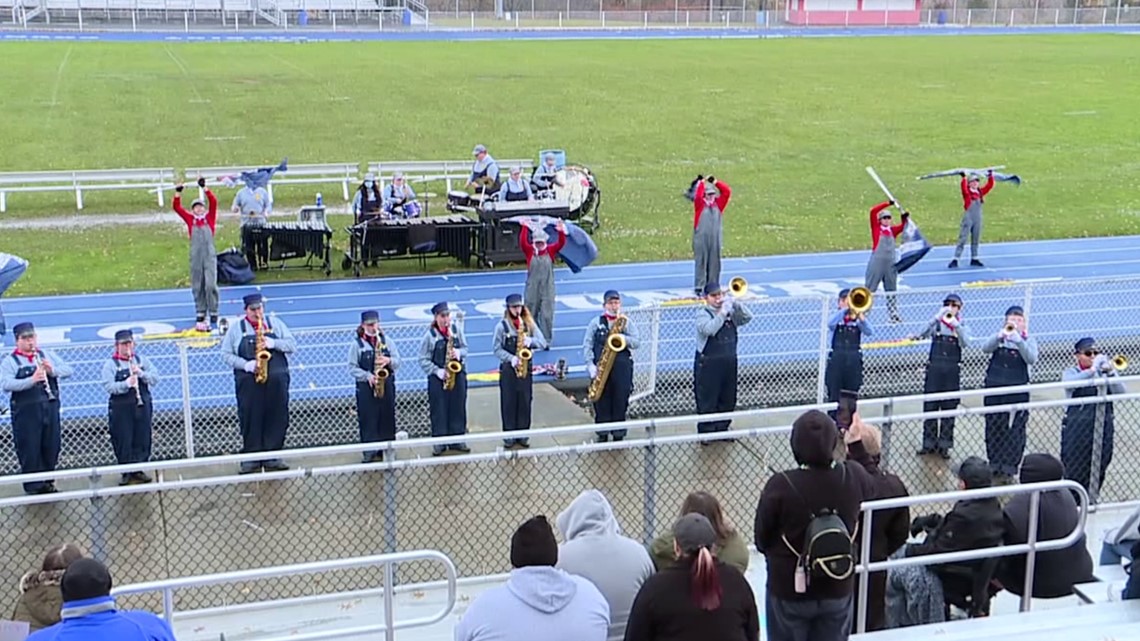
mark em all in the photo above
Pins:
pixel 138 381
pixel 47 384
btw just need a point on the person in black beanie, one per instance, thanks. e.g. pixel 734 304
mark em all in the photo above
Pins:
pixel 537 596
pixel 89 612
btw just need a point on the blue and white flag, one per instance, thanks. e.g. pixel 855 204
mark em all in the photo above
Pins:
pixel 579 250
pixel 911 248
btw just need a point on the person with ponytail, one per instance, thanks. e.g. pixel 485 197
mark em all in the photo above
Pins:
pixel 697 598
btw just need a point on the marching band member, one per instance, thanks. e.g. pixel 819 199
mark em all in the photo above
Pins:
pixel 368 201
pixel 973 197
pixel 539 292
pixel 715 365
pixel 448 407
pixel 545 176
pixel 203 255
pixel 709 201
pixel 613 404
pixel 515 188
pixel 254 205
pixel 948 335
pixel 128 378
pixel 515 394
pixel 400 196
pixel 368 354
pixel 1012 354
pixel 485 171
pixel 881 265
pixel 1078 429
pixel 844 372
pixel 11 269
pixel 263 408
pixel 32 376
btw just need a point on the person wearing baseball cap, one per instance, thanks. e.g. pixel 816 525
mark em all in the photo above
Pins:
pixel 400 198
pixel 709 201
pixel 973 197
pixel 31 375
pixel 612 401
pixel 843 375
pixel 1012 351
pixel 263 407
pixel 881 265
pixel 128 378
pixel 716 364
pixel 516 188
pixel 444 344
pixel 1078 429
pixel 485 171
pixel 545 176
pixel 201 224
pixel 948 335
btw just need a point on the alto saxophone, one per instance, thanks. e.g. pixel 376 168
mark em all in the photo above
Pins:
pixel 380 372
pixel 261 373
pixel 453 366
pixel 521 350
pixel 615 343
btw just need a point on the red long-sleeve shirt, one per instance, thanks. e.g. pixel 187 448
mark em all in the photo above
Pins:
pixel 877 229
pixel 699 200
pixel 551 250
pixel 968 197
pixel 188 218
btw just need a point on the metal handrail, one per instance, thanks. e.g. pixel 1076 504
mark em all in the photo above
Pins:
pixel 1030 548
pixel 386 561
pixel 651 425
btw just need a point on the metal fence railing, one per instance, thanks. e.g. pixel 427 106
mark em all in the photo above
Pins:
pixel 329 506
pixel 782 352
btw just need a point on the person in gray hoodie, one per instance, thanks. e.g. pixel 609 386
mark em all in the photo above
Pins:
pixel 537 597
pixel 595 549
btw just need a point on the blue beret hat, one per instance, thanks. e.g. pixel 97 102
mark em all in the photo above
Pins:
pixel 440 308
pixel 124 336
pixel 514 299
pixel 843 293
pixel 370 316
pixel 252 299
pixel 952 298
pixel 24 329
pixel 1015 310
pixel 1085 343
pixel 712 288
pixel 611 294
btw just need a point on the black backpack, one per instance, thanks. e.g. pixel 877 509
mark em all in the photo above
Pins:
pixel 828 547
pixel 233 268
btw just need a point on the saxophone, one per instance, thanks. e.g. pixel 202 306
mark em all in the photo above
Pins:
pixel 521 350
pixel 261 374
pixel 380 372
pixel 453 366
pixel 615 343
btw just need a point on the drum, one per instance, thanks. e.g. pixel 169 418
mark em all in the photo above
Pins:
pixel 411 209
pixel 459 201
pixel 578 189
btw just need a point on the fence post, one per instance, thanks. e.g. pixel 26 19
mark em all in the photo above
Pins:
pixel 79 15
pixel 646 24
pixel 649 502
pixel 185 27
pixel 1036 10
pixel 885 431
pixel 821 381
pixel 559 19
pixel 865 577
pixel 98 518
pixel 187 410
pixel 134 23
pixel 472 20
pixel 1031 556
pixel 995 12
pixel 389 601
pixel 686 19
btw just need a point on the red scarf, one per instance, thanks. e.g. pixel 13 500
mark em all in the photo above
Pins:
pixel 609 317
pixel 31 357
pixel 443 331
pixel 371 340
pixel 517 320
pixel 254 324
pixel 116 356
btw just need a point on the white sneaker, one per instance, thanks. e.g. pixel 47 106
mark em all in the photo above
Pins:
pixel 202 327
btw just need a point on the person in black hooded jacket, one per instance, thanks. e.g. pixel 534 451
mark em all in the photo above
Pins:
pixel 1056 571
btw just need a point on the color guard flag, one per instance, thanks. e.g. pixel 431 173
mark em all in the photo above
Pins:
pixel 911 248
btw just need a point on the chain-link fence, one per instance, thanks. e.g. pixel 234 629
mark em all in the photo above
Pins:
pixel 467 507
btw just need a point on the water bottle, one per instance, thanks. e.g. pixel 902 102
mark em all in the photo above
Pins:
pixel 320 201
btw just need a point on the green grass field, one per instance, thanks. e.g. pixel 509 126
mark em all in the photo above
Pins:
pixel 790 124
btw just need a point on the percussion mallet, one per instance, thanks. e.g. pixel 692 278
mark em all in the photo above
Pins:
pixel 879 182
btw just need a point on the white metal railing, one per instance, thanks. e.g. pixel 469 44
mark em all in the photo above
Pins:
pixel 1030 548
pixel 385 561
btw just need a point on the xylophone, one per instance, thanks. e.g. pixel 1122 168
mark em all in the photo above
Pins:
pixel 389 238
pixel 289 240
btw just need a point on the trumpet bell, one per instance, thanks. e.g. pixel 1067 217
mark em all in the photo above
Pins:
pixel 860 300
pixel 617 342
pixel 1120 362
pixel 454 367
pixel 1010 328
pixel 738 286
pixel 525 354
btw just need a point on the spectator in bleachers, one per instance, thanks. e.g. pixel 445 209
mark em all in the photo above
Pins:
pixel 89 612
pixel 889 528
pixel 1118 541
pixel 730 545
pixel 516 188
pixel 595 549
pixel 400 198
pixel 972 524
pixel 485 172
pixel 1056 571
pixel 538 600
pixel 799 608
pixel 914 592
pixel 699 598
pixel 545 176
pixel 40 598
pixel 1078 429
pixel 368 200
pixel 254 205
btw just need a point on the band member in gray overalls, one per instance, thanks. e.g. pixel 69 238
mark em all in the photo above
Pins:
pixel 1012 354
pixel 844 372
pixel 709 201
pixel 32 376
pixel 1078 430
pixel 368 200
pixel 515 394
pixel 128 378
pixel 254 205
pixel 263 408
pixel 376 417
pixel 485 172
pixel 881 266
pixel 539 292
pixel 516 188
pixel 973 197
pixel 948 335
pixel 715 365
pixel 613 403
pixel 545 176
pixel 201 224
pixel 448 407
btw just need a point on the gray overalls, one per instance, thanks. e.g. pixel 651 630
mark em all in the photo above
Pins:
pixel 203 270
pixel 539 292
pixel 706 247
pixel 972 227
pixel 881 269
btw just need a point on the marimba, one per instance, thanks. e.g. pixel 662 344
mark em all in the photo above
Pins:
pixel 379 239
pixel 290 240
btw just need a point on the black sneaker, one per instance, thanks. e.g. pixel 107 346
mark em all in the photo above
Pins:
pixel 953 264
pixel 461 447
pixel 944 453
pixel 125 479
pixel 275 466
pixel 926 451
pixel 603 438
pixel 976 263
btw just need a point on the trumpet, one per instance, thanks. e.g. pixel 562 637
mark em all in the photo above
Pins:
pixel 948 316
pixel 859 301
pixel 1120 362
pixel 738 286
pixel 1010 328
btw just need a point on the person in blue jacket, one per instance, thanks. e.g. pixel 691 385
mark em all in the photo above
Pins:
pixel 89 612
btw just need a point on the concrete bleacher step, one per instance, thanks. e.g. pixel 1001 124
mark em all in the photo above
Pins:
pixel 1101 622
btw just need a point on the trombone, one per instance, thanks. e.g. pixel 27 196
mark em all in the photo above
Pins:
pixel 738 286
pixel 859 301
